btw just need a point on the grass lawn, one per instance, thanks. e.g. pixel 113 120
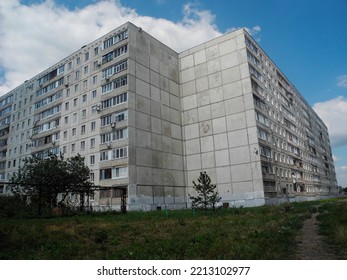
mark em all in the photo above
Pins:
pixel 266 232
pixel 333 225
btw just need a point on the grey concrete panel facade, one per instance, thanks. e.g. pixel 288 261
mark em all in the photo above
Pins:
pixel 149 119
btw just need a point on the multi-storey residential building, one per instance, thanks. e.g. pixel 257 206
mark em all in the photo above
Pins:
pixel 148 120
pixel 247 125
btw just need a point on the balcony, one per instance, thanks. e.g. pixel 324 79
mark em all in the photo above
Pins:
pixel 268 176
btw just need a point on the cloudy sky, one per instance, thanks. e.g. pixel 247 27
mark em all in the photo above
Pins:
pixel 306 39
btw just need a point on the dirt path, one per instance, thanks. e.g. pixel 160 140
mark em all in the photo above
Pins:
pixel 311 246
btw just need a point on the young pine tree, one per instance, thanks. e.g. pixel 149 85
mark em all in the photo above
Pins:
pixel 206 195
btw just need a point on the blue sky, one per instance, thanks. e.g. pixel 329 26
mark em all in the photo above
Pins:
pixel 306 39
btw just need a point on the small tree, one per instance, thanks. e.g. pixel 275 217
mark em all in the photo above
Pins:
pixel 206 194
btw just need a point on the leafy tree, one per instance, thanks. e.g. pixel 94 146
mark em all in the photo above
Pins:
pixel 44 180
pixel 206 195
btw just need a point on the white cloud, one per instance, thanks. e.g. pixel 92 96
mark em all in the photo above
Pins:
pixel 334 114
pixel 335 158
pixel 342 81
pixel 37 36
pixel 341 176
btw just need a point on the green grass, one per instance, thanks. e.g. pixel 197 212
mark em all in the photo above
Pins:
pixel 333 225
pixel 266 232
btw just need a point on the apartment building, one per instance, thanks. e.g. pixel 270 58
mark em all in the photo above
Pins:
pixel 249 127
pixel 147 120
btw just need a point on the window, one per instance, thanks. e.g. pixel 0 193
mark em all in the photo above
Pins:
pixel 74 118
pixel 113 136
pixel 108 72
pixel 66 106
pixel 114 100
pixel 60 70
pixel 265 151
pixel 92 178
pixel 115 39
pixel 84 98
pixel 105 173
pixel 251 45
pixel 92 143
pixel 66 120
pixel 114 154
pixel 113 54
pixel 73 132
pixel 85 69
pixel 120 82
pixel 114 173
pixel 83 145
pixel 64 149
pixel 114 118
pixel 48 113
pixel 73 147
pixel 119 172
pixel 106 120
pixel 49 88
pixel 260 104
pixel 48 100
pixel 263 135
pixel 78 60
pixel 252 58
pixel 95 79
pixel 96 51
pixel 105 155
pixel 120 153
pixel 85 83
pixel 86 56
pixel 92 126
pixel 83 129
pixel 94 94
pixel 255 73
pixel 92 159
pixel 65 135
pixel 84 113
pixel 266 168
pixel 77 74
pixel 262 119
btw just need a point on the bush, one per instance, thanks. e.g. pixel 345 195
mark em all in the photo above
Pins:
pixel 16 206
